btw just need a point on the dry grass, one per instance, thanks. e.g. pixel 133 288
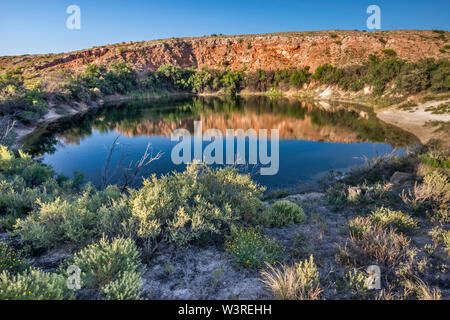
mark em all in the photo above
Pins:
pixel 383 246
pixel 297 282
pixel 435 187
pixel 421 290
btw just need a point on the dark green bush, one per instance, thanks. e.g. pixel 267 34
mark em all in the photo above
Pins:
pixel 284 212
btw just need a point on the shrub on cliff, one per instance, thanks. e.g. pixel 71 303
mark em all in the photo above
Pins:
pixel 194 205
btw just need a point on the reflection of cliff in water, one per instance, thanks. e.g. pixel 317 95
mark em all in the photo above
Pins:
pixel 294 118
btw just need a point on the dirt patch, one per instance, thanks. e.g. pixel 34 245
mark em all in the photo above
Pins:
pixel 414 120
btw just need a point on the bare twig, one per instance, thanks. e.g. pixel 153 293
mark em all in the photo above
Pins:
pixel 130 173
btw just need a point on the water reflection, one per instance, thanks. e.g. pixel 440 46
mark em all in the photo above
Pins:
pixel 349 131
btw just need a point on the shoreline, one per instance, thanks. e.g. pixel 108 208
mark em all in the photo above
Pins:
pixel 413 121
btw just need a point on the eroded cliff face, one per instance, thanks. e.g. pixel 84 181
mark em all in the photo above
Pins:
pixel 267 52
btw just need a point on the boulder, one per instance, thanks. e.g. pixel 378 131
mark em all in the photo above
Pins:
pixel 400 177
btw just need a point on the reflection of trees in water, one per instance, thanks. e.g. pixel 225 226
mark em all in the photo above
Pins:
pixel 296 119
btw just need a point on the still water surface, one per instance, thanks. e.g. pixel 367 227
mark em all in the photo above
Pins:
pixel 314 138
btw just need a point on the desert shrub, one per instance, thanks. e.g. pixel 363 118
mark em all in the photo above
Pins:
pixel 231 81
pixel 36 174
pixel 397 219
pixel 201 80
pixel 441 236
pixel 433 192
pixel 389 52
pixel 325 73
pixel 15 199
pixel 96 81
pixel 440 76
pixel 250 249
pixel 23 182
pixel 120 78
pixel 107 261
pixel 283 213
pixel 299 77
pixel 75 221
pixel 435 159
pixel 9 163
pixel 380 246
pixel 195 204
pixel 356 283
pixel 127 287
pixel 33 284
pixel 336 194
pixel 11 260
pixel 359 226
pixel 174 77
pixel 381 71
pixel 298 282
pixel 420 290
pixel 26 104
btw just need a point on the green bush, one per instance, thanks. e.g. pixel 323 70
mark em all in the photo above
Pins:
pixel 250 249
pixel 384 218
pixel 11 260
pixel 441 236
pixel 389 52
pixel 107 261
pixel 284 212
pixel 397 219
pixel 36 174
pixel 195 205
pixel 33 284
pixel 15 199
pixel 76 221
pixel 356 283
pixel 359 226
pixel 127 287
pixel 24 182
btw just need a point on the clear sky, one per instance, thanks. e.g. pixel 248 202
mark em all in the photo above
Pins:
pixel 39 26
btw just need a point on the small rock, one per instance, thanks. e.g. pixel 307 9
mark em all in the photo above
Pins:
pixel 400 177
pixel 4 237
pixel 354 192
pixel 51 260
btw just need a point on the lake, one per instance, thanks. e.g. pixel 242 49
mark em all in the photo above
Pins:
pixel 314 137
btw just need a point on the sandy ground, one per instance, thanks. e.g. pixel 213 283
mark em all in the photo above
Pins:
pixel 414 120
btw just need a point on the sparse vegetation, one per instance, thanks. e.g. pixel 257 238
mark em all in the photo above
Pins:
pixel 250 249
pixel 298 282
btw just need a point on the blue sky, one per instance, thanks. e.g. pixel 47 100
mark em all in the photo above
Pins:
pixel 39 26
